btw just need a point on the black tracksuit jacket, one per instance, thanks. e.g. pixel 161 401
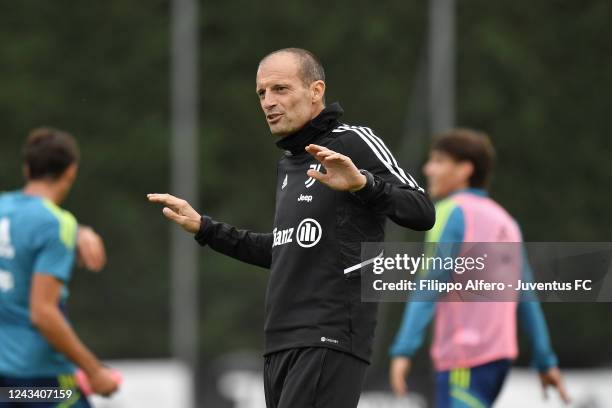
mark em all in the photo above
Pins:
pixel 311 298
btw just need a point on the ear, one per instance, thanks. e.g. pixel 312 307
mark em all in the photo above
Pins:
pixel 317 89
pixel 26 171
pixel 70 173
pixel 466 170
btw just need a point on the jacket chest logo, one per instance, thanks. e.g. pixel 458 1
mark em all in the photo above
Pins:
pixel 307 234
pixel 310 181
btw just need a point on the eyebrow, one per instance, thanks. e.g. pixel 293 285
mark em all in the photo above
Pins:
pixel 260 90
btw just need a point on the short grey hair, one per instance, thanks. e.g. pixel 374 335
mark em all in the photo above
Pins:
pixel 311 69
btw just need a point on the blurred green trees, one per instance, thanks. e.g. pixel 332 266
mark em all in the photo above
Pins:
pixel 534 75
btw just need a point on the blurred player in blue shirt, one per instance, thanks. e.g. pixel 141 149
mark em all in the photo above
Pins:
pixel 38 240
pixel 474 343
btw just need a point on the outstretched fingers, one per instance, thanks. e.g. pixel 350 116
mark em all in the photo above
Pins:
pixel 318 152
pixel 325 155
pixel 173 215
pixel 168 200
pixel 315 148
pixel 317 175
pixel 335 158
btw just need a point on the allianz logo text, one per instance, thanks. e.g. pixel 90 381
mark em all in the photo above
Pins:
pixel 307 234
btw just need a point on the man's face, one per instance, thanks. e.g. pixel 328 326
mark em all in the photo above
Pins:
pixel 285 100
pixel 446 175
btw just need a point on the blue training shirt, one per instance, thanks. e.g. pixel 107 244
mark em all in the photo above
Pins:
pixel 36 236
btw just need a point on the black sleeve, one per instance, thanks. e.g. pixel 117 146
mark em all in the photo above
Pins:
pixel 389 189
pixel 250 247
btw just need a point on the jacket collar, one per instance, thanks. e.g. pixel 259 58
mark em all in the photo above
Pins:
pixel 323 123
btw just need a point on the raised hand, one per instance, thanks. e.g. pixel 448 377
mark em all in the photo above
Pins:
pixel 341 173
pixel 178 210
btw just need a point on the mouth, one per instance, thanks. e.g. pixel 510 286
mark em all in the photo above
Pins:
pixel 273 118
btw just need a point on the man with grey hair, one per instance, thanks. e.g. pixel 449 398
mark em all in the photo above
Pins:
pixel 336 185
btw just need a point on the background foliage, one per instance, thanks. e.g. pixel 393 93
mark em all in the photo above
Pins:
pixel 532 74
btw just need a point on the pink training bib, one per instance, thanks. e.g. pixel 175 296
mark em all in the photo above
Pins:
pixel 467 334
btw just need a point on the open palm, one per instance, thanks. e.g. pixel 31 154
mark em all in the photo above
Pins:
pixel 340 171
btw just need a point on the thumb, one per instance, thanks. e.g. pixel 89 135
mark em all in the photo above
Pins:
pixel 171 215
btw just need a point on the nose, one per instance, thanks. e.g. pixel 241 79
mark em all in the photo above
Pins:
pixel 268 102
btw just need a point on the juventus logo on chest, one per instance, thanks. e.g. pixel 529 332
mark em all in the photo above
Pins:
pixel 310 181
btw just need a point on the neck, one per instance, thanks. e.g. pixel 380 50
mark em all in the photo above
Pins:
pixel 452 191
pixel 316 111
pixel 325 120
pixel 45 189
pixel 460 187
pixel 473 190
